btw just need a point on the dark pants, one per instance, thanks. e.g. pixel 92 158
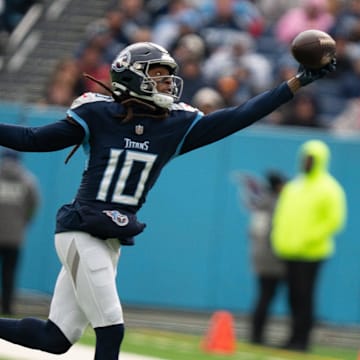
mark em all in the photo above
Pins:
pixel 267 287
pixel 301 281
pixel 9 261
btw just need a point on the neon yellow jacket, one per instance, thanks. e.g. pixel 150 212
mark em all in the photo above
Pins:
pixel 311 209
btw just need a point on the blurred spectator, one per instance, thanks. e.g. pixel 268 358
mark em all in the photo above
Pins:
pixel 189 46
pixel 141 34
pixel 304 111
pixel 348 121
pixel 157 8
pixel 259 67
pixel 350 81
pixel 189 51
pixel 310 211
pixel 98 34
pixel 343 56
pixel 116 22
pixel 68 80
pixel 129 21
pixel 59 92
pixel 191 73
pixel 107 33
pixel 208 100
pixel 188 22
pixel 166 28
pixel 91 63
pixel 260 198
pixel 239 57
pixel 232 90
pixel 272 10
pixel 135 13
pixel 19 199
pixel 285 68
pixel 223 18
pixel 336 7
pixel 344 31
pixel 65 84
pixel 348 21
pixel 311 14
pixel 67 70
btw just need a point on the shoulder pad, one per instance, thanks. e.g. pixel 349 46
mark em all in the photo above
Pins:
pixel 183 106
pixel 90 97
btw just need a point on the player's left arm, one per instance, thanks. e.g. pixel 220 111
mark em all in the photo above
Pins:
pixel 52 137
pixel 224 122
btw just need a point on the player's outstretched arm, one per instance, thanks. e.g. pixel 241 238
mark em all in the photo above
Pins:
pixel 217 125
pixel 55 136
pixel 306 76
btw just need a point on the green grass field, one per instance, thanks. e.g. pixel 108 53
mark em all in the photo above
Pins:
pixel 176 346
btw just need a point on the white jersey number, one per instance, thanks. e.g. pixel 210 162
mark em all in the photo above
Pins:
pixel 130 158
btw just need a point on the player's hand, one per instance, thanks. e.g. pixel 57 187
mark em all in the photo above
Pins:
pixel 307 76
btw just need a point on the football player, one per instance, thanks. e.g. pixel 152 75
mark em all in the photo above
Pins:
pixel 128 137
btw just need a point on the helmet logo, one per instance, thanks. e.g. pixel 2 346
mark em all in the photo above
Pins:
pixel 122 62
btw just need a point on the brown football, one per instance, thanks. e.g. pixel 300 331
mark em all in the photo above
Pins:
pixel 313 48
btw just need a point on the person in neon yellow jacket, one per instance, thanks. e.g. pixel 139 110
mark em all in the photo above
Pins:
pixel 310 210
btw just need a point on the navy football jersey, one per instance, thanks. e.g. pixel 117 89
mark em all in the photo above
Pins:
pixel 126 158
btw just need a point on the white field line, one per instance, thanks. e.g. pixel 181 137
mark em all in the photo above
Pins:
pixel 78 352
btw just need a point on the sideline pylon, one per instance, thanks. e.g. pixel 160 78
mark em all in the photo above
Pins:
pixel 220 337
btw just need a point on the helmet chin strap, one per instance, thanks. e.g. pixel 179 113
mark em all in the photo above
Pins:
pixel 163 100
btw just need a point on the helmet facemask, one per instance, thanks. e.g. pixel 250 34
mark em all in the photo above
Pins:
pixel 149 86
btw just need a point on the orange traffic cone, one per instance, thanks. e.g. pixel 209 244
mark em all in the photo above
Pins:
pixel 358 357
pixel 220 337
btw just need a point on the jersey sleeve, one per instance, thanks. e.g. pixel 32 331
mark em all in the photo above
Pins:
pixel 224 122
pixel 52 137
pixel 86 109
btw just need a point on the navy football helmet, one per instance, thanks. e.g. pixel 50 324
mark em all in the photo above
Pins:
pixel 129 73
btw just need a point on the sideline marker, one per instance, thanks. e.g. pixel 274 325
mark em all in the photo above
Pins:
pixel 220 337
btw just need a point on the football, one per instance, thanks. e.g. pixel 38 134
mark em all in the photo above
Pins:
pixel 313 48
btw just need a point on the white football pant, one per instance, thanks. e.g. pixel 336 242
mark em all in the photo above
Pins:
pixel 85 290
